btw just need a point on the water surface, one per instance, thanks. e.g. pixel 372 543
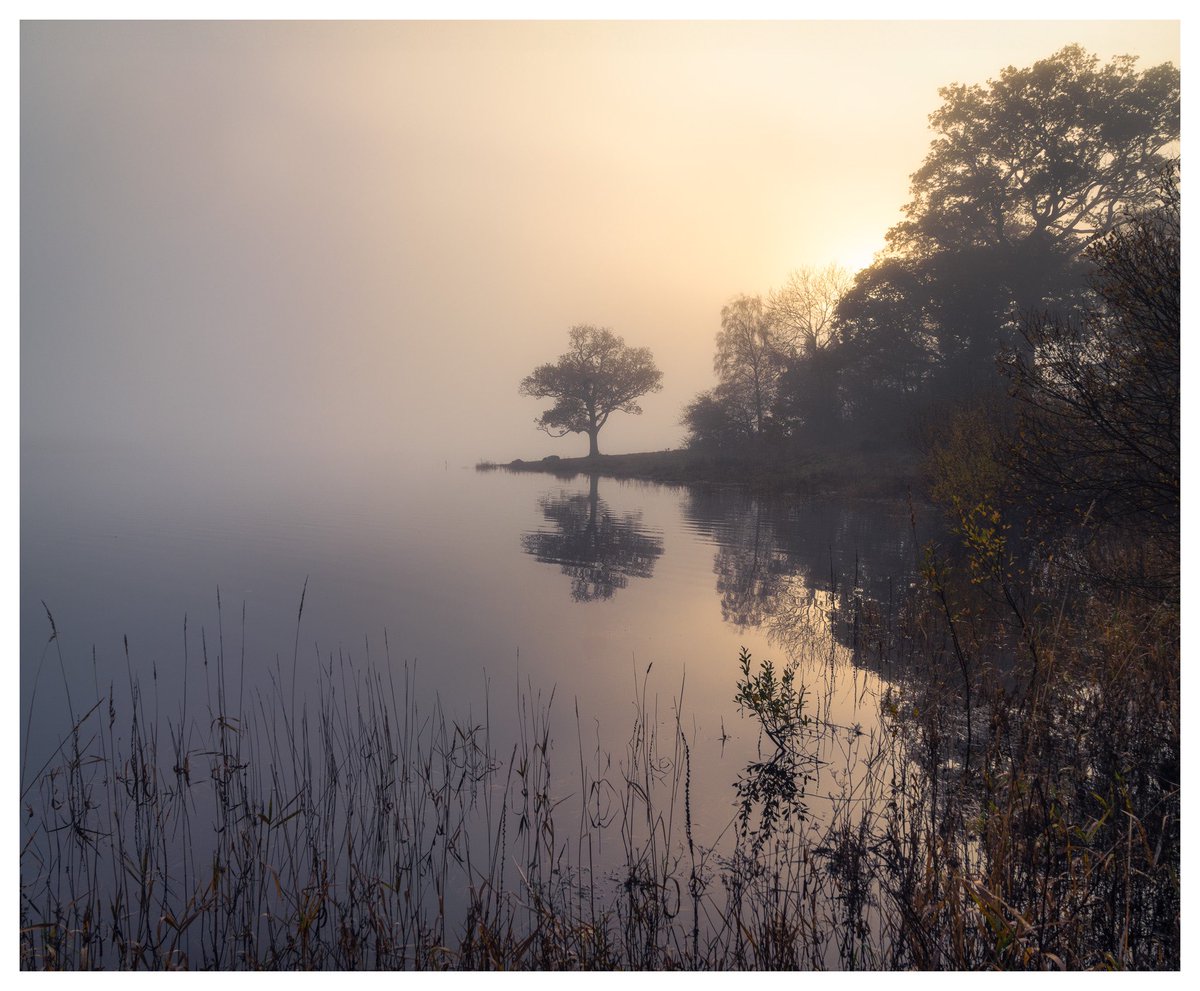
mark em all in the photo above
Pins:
pixel 487 585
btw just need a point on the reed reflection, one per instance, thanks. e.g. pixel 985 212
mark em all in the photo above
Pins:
pixel 598 549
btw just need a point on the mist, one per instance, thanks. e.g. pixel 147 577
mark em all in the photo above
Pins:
pixel 345 244
pixel 847 639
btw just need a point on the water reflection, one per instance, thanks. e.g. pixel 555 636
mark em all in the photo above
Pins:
pixel 752 569
pixel 799 568
pixel 598 549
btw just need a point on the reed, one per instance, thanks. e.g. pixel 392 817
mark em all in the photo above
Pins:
pixel 364 826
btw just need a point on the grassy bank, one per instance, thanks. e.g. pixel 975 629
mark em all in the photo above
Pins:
pixel 359 828
pixel 875 474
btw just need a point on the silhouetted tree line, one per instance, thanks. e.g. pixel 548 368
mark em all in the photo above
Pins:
pixel 1027 177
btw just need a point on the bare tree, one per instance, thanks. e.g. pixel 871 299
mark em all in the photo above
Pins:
pixel 803 311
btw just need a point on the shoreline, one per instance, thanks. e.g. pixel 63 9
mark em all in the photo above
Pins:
pixel 858 474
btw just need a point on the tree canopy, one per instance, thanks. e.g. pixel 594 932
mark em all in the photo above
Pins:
pixel 597 376
pixel 1025 176
pixel 1058 150
pixel 1022 175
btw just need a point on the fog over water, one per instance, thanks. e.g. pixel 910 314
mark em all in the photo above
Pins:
pixel 296 636
pixel 278 249
pixel 280 282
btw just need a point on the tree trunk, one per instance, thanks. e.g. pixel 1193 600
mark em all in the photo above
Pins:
pixel 593 447
pixel 593 500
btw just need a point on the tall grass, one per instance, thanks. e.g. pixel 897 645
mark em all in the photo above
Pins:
pixel 364 826
pixel 1037 739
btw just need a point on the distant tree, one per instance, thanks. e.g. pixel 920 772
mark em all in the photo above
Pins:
pixel 718 420
pixel 804 310
pixel 807 334
pixel 747 360
pixel 598 375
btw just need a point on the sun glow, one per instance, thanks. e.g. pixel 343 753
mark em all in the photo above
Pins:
pixel 854 258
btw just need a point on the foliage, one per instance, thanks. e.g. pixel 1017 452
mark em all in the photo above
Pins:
pixel 1039 828
pixel 967 453
pixel 715 422
pixel 1063 622
pixel 597 376
pixel 1056 151
pixel 1023 174
pixel 747 360
pixel 1099 395
pixel 777 785
pixel 775 364
pixel 776 702
pixel 888 354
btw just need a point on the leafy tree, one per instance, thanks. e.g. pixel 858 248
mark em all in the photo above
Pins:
pixel 717 421
pixel 1057 151
pixel 747 360
pixel 598 375
pixel 1023 174
pixel 887 348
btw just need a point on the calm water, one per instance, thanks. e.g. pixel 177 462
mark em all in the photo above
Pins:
pixel 486 584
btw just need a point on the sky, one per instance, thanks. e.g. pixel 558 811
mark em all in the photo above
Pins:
pixel 334 243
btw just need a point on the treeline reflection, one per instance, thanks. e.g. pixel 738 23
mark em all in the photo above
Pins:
pixel 793 568
pixel 799 568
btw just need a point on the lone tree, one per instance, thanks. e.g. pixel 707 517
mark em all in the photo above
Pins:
pixel 598 375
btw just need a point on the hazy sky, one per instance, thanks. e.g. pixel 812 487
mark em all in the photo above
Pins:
pixel 346 242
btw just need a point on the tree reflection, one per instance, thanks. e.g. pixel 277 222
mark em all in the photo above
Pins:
pixel 751 570
pixel 801 570
pixel 599 550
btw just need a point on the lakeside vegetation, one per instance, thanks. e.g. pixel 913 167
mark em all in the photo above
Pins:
pixel 1017 803
pixel 1011 235
pixel 1016 350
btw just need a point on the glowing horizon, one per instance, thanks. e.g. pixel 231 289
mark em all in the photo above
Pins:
pixel 341 238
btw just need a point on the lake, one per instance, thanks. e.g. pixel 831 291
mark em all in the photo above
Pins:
pixel 609 615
